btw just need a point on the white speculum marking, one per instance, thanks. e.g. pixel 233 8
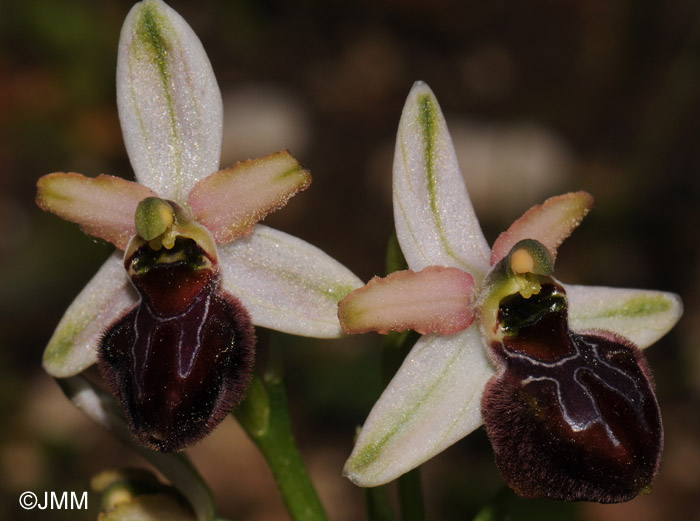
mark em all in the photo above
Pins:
pixel 576 401
pixel 150 321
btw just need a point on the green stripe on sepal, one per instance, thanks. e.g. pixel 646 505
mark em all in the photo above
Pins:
pixel 169 102
pixel 639 315
pixel 286 283
pixel 73 346
pixel 435 221
pixel 420 414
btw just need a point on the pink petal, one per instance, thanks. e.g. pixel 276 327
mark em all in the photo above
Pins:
pixel 434 300
pixel 229 202
pixel 549 223
pixel 103 206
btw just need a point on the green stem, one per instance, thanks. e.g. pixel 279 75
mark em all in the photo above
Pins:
pixel 395 348
pixel 411 496
pixel 264 415
pixel 497 509
pixel 379 504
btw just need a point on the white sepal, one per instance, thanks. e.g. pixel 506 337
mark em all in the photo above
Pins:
pixel 107 297
pixel 435 220
pixel 639 315
pixel 433 401
pixel 169 102
pixel 286 283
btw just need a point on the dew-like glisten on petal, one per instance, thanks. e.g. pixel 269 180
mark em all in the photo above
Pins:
pixel 231 201
pixel 104 410
pixel 169 102
pixel 435 220
pixel 549 223
pixel 103 206
pixel 108 296
pixel 434 300
pixel 433 401
pixel 286 283
pixel 638 315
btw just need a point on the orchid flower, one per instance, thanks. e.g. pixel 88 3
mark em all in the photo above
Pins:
pixel 169 316
pixel 553 370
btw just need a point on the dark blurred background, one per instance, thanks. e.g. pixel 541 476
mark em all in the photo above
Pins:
pixel 542 97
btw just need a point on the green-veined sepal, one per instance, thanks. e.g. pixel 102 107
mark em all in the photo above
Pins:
pixel 641 316
pixel 169 102
pixel 433 401
pixel 73 346
pixel 435 220
pixel 286 283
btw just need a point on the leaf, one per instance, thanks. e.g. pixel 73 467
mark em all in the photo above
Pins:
pixel 285 283
pixel 231 201
pixel 169 102
pixel 103 206
pixel 435 220
pixel 107 297
pixel 433 401
pixel 641 316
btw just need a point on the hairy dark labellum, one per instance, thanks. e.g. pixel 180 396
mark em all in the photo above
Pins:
pixel 570 416
pixel 181 358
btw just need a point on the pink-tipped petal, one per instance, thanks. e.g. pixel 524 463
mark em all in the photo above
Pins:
pixel 229 202
pixel 549 223
pixel 434 300
pixel 103 206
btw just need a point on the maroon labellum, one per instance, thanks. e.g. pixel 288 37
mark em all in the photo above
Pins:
pixel 180 359
pixel 570 416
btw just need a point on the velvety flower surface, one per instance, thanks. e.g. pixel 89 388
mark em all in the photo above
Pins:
pixel 554 370
pixel 169 315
